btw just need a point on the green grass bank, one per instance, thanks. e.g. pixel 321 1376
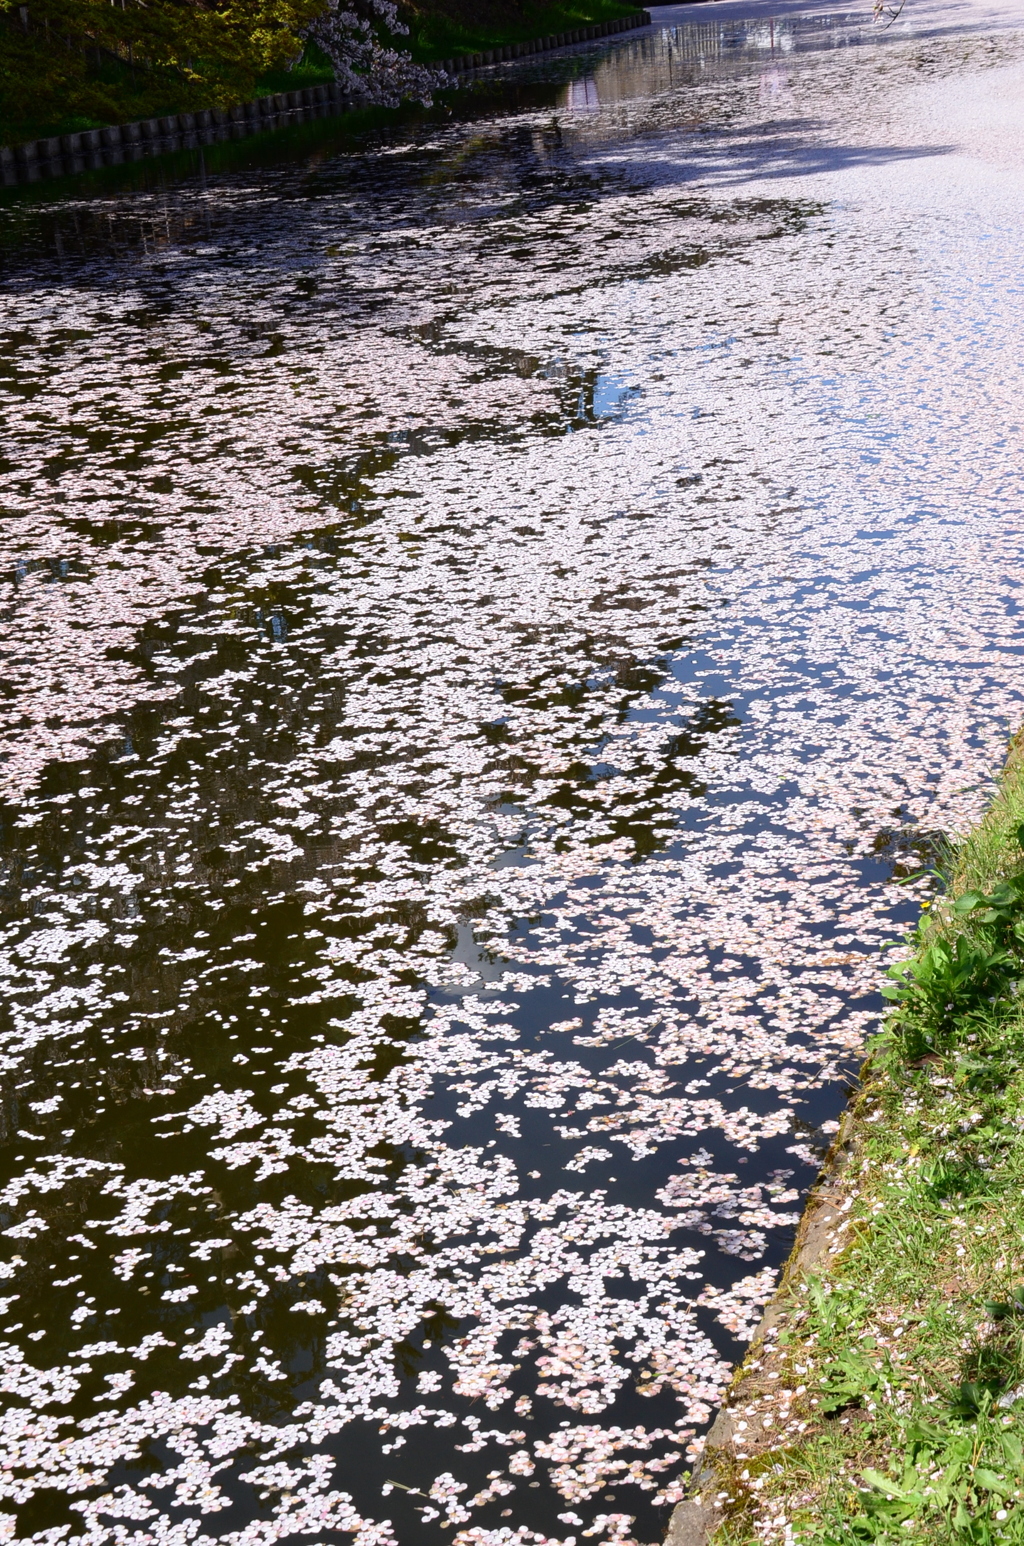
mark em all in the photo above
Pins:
pixel 113 92
pixel 883 1400
pixel 439 32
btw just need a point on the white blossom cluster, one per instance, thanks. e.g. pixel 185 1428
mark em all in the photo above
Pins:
pixel 368 69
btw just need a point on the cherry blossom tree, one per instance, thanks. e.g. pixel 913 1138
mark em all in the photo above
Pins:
pixel 357 37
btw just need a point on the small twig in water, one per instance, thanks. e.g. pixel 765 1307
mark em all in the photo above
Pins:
pixel 881 10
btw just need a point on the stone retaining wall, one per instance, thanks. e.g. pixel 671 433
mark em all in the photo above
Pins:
pixel 92 148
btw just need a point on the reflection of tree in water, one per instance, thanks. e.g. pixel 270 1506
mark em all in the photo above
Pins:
pixel 205 950
pixel 645 800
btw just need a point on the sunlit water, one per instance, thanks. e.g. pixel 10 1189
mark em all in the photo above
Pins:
pixel 489 610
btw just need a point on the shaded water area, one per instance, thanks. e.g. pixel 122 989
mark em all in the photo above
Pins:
pixel 490 609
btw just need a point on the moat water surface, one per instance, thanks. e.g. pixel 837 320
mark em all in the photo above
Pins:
pixel 490 608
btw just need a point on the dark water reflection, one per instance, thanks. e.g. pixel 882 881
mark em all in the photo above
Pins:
pixel 459 730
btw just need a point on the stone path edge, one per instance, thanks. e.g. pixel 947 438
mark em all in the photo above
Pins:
pixel 90 149
pixel 695 1520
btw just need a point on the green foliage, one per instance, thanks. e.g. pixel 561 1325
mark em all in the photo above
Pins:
pixel 1004 1310
pixel 945 1179
pixel 966 959
pixel 848 1380
pixel 932 1448
pixel 969 955
pixel 940 983
pixel 910 1342
pixel 100 61
pixel 438 30
pixel 76 64
pixel 949 1485
pixel 956 1464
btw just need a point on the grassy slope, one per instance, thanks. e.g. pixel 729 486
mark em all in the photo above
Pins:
pixel 894 1382
pixel 436 31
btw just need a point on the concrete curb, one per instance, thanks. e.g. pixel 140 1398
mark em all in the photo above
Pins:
pixel 65 154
